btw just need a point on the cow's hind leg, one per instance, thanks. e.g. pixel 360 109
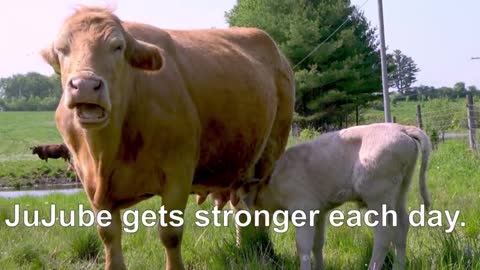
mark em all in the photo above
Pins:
pixel 280 131
pixel 275 146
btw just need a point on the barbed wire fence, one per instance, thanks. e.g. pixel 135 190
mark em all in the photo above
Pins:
pixel 459 122
pixel 441 124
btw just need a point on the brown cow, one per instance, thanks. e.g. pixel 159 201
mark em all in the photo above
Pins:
pixel 54 151
pixel 149 112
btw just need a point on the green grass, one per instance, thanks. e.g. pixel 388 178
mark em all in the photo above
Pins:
pixel 18 132
pixel 453 180
pixel 405 113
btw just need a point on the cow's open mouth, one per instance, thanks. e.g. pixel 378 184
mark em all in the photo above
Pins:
pixel 88 113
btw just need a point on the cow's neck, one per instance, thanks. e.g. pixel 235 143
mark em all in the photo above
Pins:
pixel 103 147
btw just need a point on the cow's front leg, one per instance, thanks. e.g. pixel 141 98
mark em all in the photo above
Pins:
pixel 111 237
pixel 174 197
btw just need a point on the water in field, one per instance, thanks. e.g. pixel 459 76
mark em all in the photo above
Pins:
pixel 41 191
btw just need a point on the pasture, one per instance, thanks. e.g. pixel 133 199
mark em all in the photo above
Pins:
pixel 18 167
pixel 405 112
pixel 453 179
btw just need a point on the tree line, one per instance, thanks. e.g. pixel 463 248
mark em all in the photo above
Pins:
pixel 331 46
pixel 30 92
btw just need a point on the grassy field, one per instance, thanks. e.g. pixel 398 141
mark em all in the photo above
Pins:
pixel 453 179
pixel 405 113
pixel 18 132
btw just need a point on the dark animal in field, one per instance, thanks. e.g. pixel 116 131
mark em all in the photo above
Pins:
pixel 147 111
pixel 54 151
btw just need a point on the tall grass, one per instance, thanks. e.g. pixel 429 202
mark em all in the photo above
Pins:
pixel 453 179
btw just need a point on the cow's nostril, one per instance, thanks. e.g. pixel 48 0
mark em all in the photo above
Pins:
pixel 72 84
pixel 98 86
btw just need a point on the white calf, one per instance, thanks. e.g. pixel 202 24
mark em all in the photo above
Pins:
pixel 370 164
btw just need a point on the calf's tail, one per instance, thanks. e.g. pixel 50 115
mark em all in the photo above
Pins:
pixel 425 147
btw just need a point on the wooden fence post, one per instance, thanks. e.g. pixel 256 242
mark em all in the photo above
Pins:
pixel 419 117
pixel 471 122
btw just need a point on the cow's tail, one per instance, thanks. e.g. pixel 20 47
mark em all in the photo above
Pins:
pixel 425 147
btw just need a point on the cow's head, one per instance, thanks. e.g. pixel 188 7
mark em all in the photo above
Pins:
pixel 93 53
pixel 34 149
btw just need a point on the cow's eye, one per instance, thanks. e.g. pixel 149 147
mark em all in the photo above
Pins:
pixel 63 50
pixel 117 47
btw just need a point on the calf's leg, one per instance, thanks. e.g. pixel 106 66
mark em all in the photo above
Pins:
pixel 304 239
pixel 400 238
pixel 382 238
pixel 319 242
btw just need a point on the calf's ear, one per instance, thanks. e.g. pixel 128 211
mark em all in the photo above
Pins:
pixel 50 56
pixel 143 55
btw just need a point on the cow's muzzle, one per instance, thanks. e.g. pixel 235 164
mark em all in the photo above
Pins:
pixel 87 94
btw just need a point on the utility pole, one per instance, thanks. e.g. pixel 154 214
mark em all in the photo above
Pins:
pixel 383 57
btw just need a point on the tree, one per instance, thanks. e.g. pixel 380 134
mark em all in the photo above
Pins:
pixel 342 75
pixel 403 75
pixel 30 84
pixel 30 92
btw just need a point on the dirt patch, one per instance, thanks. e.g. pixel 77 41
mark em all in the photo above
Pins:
pixel 41 180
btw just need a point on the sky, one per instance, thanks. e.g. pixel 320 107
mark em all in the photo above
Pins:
pixel 441 36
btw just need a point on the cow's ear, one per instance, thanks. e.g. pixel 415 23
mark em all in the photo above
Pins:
pixel 50 56
pixel 143 55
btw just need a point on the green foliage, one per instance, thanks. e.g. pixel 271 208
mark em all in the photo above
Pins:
pixel 440 116
pixel 308 134
pixel 29 92
pixel 403 72
pixel 339 77
pixel 434 138
pixel 423 92
pixel 33 103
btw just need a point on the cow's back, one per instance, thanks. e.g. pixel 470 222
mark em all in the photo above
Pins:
pixel 233 77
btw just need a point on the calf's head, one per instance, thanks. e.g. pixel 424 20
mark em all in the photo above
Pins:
pixel 258 195
pixel 94 54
